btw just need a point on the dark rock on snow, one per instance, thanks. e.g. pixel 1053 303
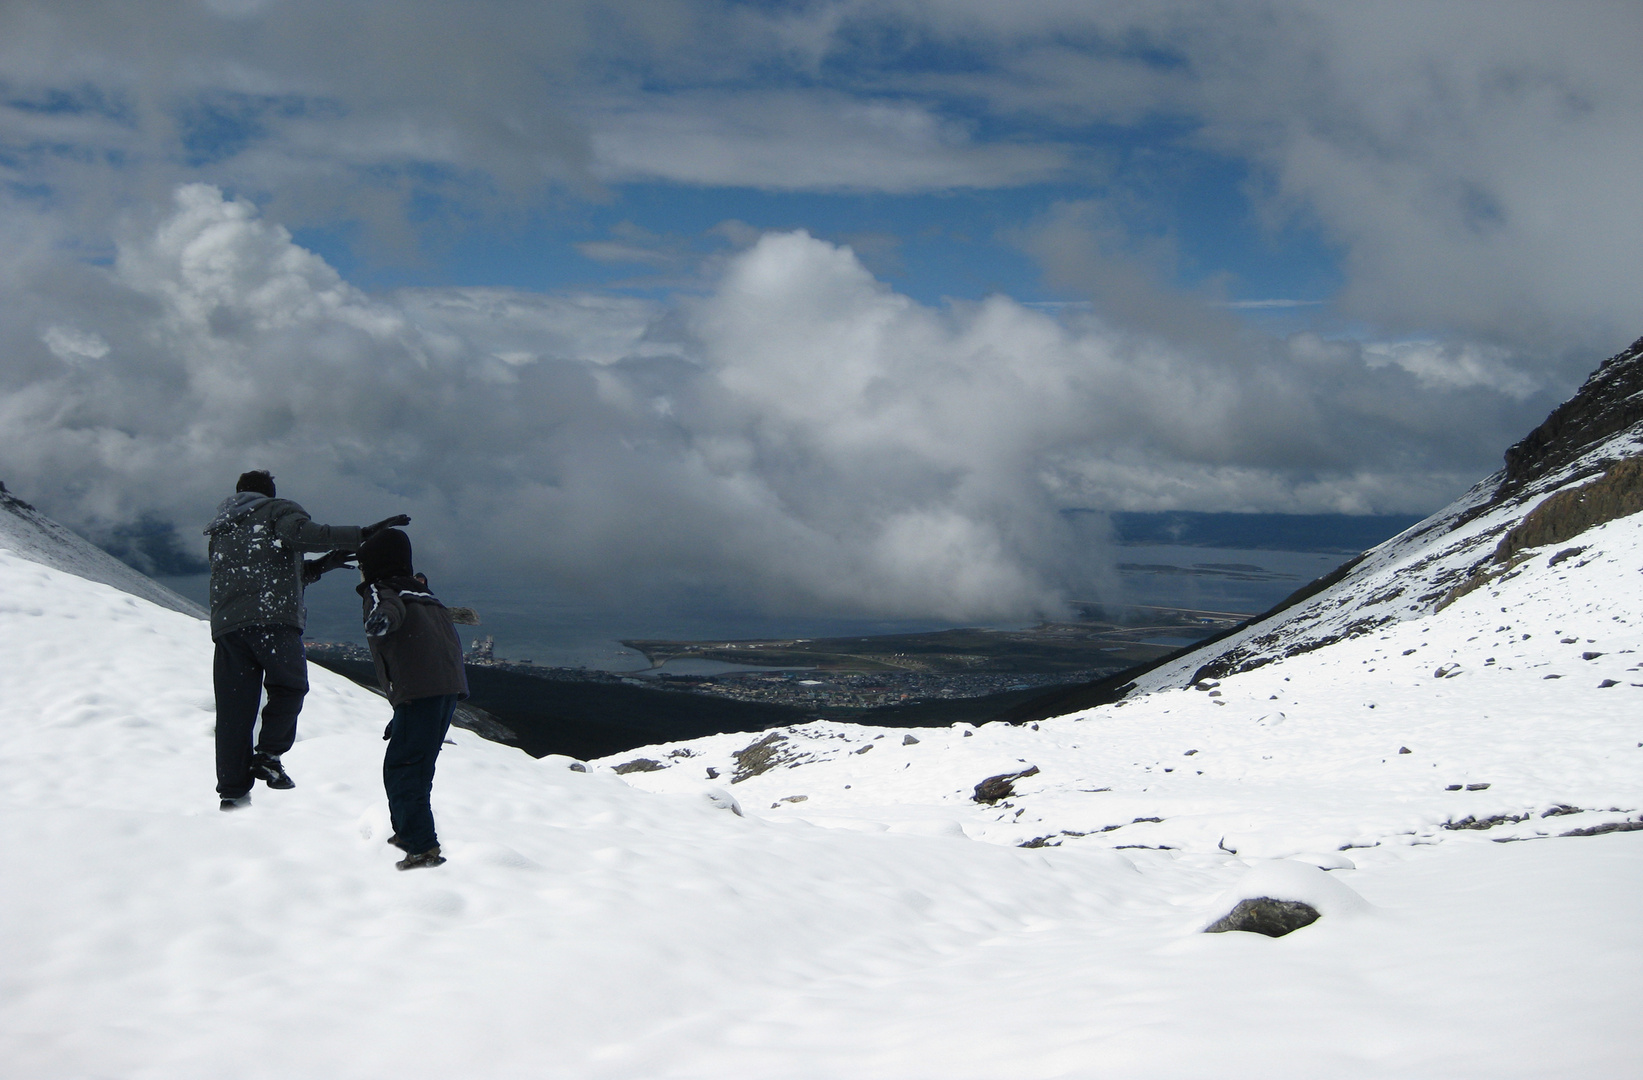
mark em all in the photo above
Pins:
pixel 1265 915
pixel 1002 786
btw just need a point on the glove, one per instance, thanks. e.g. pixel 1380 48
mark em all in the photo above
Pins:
pixel 376 625
pixel 368 531
pixel 314 569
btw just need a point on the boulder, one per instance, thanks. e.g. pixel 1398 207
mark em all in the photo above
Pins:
pixel 1265 915
pixel 1002 786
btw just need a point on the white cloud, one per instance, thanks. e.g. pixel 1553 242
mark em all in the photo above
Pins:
pixel 801 437
pixel 73 346
pixel 811 141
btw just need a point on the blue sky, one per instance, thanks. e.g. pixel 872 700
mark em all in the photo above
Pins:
pixel 832 305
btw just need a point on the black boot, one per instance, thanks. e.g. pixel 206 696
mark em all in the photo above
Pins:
pixel 267 768
pixel 431 857
pixel 239 802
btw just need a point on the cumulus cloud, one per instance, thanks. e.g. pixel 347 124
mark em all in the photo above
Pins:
pixel 1473 166
pixel 799 437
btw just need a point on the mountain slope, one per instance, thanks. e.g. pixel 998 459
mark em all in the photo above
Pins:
pixel 834 900
pixel 586 928
pixel 29 533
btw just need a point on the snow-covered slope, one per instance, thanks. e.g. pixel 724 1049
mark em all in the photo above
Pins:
pixel 27 532
pixel 1413 574
pixel 835 901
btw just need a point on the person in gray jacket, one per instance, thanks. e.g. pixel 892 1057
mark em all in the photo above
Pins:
pixel 418 658
pixel 257 617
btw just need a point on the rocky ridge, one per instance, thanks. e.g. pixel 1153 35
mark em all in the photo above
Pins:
pixel 1589 439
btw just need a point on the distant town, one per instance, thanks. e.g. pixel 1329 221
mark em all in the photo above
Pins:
pixel 827 674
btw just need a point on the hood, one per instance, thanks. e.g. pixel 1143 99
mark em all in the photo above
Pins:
pixel 235 507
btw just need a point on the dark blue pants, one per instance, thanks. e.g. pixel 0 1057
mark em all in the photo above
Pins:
pixel 415 735
pixel 247 660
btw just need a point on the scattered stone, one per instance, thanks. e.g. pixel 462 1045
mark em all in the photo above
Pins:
pixel 577 766
pixel 1189 753
pixel 793 798
pixel 1561 810
pixel 1265 915
pixel 712 773
pixel 1590 655
pixel 1567 640
pixel 1599 830
pixel 1002 786
pixel 1409 652
pixel 643 764
pixel 1566 553
pixel 1551 676
pixel 1452 787
pixel 1606 683
pixel 1444 671
pixel 1477 787
pixel 863 750
pixel 967 734
pixel 908 740
pixel 1470 822
pixel 1405 750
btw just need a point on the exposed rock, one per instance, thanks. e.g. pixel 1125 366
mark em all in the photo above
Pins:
pixel 643 764
pixel 1590 655
pixel 473 718
pixel 1599 830
pixel 1606 683
pixel 1405 750
pixel 908 740
pixel 761 757
pixel 863 750
pixel 1477 787
pixel 1265 915
pixel 1470 822
pixel 577 766
pixel 1566 553
pixel 712 773
pixel 1002 786
pixel 1609 402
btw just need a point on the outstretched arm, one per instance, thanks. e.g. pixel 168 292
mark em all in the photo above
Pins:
pixel 314 569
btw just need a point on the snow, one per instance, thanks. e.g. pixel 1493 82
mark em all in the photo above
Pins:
pixel 598 925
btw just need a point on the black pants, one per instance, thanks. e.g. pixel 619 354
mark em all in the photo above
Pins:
pixel 415 735
pixel 247 660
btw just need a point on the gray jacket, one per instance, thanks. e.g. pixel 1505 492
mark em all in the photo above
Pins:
pixel 256 560
pixel 413 642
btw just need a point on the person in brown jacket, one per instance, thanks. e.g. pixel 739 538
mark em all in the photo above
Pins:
pixel 418 659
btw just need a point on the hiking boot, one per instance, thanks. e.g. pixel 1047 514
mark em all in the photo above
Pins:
pixel 267 768
pixel 431 857
pixel 239 802
pixel 398 843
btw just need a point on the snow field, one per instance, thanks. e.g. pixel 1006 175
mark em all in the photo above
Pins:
pixel 585 927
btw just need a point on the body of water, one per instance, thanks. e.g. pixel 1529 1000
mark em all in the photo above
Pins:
pixel 536 625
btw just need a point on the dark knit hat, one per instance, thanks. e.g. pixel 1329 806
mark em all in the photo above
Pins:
pixel 386 554
pixel 259 480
